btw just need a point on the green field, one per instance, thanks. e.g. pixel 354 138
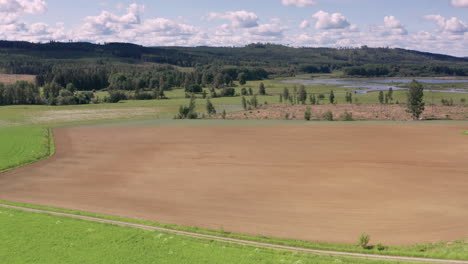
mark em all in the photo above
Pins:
pixel 23 145
pixel 27 237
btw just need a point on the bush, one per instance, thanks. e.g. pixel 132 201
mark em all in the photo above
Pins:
pixel 144 96
pixel 307 114
pixel 447 102
pixel 210 109
pixel 328 116
pixel 187 112
pixel 380 247
pixel 194 88
pixel 364 241
pixel 228 91
pixel 347 116
pixel 84 97
pixel 116 96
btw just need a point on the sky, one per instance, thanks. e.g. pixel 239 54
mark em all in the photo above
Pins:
pixel 439 26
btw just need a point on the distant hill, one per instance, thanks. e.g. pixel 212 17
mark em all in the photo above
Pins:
pixel 32 58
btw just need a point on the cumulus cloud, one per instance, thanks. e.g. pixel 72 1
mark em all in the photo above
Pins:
pixel 326 20
pixel 268 30
pixel 451 25
pixel 11 10
pixel 304 24
pixel 392 26
pixel 298 3
pixel 108 23
pixel 460 3
pixel 239 19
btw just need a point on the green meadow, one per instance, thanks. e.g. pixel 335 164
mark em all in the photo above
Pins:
pixel 27 237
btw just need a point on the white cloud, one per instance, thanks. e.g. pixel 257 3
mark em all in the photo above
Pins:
pixel 452 25
pixel 269 30
pixel 330 21
pixel 460 3
pixel 239 19
pixel 298 3
pixel 304 24
pixel 11 10
pixel 392 26
pixel 108 23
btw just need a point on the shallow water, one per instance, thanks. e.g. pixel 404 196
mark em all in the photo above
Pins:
pixel 373 85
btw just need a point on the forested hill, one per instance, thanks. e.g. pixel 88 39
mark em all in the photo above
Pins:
pixel 33 58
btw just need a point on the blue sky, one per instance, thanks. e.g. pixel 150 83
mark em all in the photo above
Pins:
pixel 429 25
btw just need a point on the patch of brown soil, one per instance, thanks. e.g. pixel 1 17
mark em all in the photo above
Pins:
pixel 402 184
pixel 359 112
pixel 12 78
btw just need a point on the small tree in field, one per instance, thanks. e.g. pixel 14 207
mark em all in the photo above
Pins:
pixel 261 89
pixel 187 112
pixel 302 94
pixel 364 240
pixel 415 105
pixel 381 97
pixel 210 108
pixel 286 94
pixel 307 114
pixel 254 101
pixel 242 78
pixel 244 103
pixel 332 97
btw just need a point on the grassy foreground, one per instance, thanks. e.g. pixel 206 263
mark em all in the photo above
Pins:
pixel 27 237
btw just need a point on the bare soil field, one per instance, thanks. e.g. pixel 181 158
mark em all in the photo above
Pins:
pixel 401 183
pixel 360 112
pixel 12 78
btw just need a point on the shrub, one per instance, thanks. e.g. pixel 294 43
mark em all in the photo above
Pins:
pixel 261 89
pixel 347 116
pixel 328 116
pixel 116 96
pixel 194 88
pixel 380 247
pixel 187 112
pixel 254 101
pixel 307 114
pixel 244 103
pixel 210 108
pixel 364 240
pixel 84 97
pixel 223 115
pixel 286 116
pixel 244 91
pixel 447 102
pixel 228 91
pixel 144 96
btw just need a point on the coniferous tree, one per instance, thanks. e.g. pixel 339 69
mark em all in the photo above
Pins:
pixel 261 89
pixel 332 97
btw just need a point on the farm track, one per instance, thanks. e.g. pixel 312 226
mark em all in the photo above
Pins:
pixel 240 241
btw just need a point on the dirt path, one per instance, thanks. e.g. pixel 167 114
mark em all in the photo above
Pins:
pixel 401 183
pixel 244 242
